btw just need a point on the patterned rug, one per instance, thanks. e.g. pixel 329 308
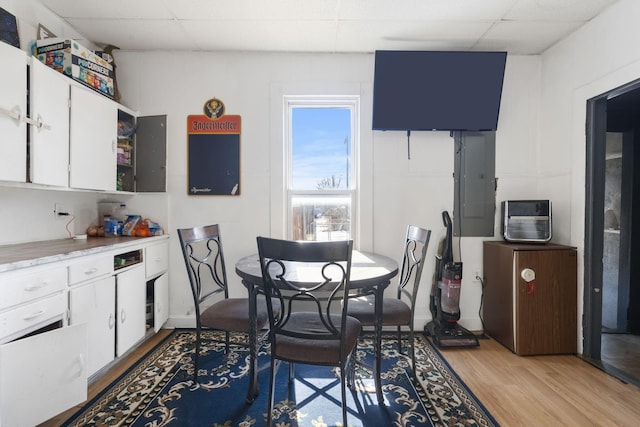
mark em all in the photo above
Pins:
pixel 158 391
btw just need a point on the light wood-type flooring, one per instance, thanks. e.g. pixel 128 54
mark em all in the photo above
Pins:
pixel 552 390
pixel 536 391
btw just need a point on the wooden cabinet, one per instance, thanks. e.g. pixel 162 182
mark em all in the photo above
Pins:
pixel 530 297
pixel 13 109
pixel 49 133
pixel 93 141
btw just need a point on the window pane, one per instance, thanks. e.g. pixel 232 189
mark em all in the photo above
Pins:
pixel 321 148
pixel 321 218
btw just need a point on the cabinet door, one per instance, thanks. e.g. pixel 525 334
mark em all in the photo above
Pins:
pixel 95 305
pixel 545 309
pixel 131 308
pixel 160 301
pixel 42 375
pixel 13 108
pixel 93 141
pixel 49 140
pixel 151 154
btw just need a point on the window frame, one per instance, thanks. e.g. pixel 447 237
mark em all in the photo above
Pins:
pixel 351 102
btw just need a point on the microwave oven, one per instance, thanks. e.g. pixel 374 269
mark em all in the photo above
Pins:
pixel 527 221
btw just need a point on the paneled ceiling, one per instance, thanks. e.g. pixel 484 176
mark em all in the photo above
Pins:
pixel 515 26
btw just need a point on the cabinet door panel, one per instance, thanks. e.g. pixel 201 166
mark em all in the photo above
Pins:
pixel 160 301
pixel 35 385
pixel 151 154
pixel 131 308
pixel 93 135
pixel 95 304
pixel 546 310
pixel 13 108
pixel 49 96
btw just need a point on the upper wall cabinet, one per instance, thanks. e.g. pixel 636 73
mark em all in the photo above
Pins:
pixel 142 147
pixel 151 152
pixel 13 109
pixel 49 133
pixel 93 141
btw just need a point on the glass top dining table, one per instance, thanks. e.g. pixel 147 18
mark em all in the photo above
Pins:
pixel 371 273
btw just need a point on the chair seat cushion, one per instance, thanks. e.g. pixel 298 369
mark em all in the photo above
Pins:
pixel 315 351
pixel 394 311
pixel 232 314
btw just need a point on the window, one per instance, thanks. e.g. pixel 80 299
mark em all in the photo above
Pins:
pixel 321 140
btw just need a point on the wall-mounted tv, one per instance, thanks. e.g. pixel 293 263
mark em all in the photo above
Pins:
pixel 437 90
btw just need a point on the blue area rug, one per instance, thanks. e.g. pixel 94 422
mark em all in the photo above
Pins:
pixel 158 391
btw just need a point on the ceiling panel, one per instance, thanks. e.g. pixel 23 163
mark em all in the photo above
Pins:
pixel 519 26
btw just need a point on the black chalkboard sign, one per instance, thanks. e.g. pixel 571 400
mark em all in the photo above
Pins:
pixel 213 155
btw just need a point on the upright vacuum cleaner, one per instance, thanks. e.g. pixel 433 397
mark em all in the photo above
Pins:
pixel 444 301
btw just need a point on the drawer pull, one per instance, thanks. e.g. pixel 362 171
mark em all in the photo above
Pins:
pixel 112 321
pixel 34 315
pixel 37 287
pixel 91 271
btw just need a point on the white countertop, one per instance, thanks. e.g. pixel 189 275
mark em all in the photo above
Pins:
pixel 21 255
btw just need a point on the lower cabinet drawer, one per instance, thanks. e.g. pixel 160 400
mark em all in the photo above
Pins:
pixel 29 317
pixel 89 268
pixel 28 284
pixel 156 259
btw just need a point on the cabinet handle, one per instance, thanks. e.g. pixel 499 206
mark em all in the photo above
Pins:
pixel 36 287
pixel 112 321
pixel 38 123
pixel 81 364
pixel 123 316
pixel 91 271
pixel 14 113
pixel 34 315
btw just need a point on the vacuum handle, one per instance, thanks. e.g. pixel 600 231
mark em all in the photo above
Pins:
pixel 446 219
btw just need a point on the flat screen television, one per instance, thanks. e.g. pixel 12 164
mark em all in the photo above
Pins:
pixel 437 90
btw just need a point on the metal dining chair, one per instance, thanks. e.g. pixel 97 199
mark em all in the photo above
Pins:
pixel 311 282
pixel 399 311
pixel 202 250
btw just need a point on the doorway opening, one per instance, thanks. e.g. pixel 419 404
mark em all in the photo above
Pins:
pixel 612 270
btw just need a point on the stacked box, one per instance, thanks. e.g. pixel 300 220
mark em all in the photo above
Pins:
pixel 74 60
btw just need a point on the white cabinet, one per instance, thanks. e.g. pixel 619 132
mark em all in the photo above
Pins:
pixel 93 141
pixel 49 135
pixel 160 301
pixel 42 375
pixel 130 308
pixel 94 305
pixel 42 361
pixel 13 108
pixel 156 266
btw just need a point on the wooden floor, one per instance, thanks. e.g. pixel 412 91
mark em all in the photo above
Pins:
pixel 544 390
pixel 517 391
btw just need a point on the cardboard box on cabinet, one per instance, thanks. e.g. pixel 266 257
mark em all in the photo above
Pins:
pixel 76 61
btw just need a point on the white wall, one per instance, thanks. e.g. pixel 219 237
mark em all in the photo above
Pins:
pixel 398 191
pixel 539 147
pixel 601 56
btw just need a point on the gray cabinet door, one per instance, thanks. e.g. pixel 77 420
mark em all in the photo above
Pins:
pixel 151 154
